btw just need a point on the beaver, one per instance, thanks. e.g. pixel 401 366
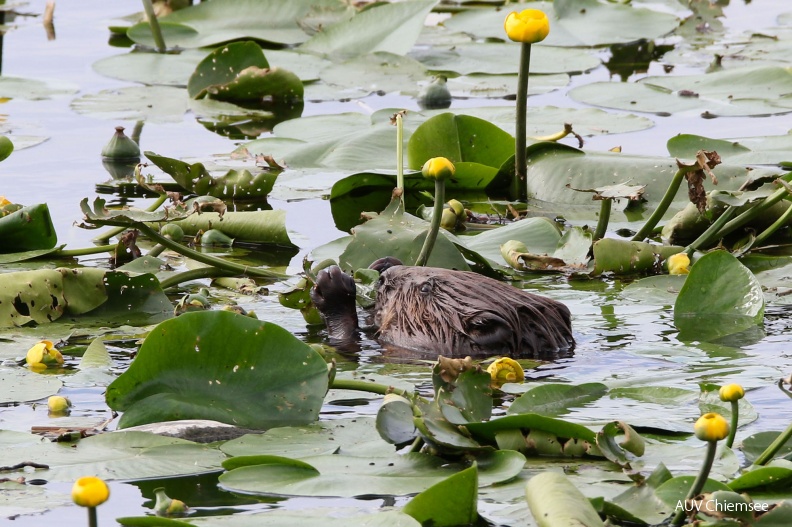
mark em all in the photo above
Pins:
pixel 429 311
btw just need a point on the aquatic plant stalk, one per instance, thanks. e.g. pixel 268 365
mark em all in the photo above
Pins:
pixel 520 181
pixel 780 222
pixel 710 235
pixel 365 386
pixel 434 227
pixel 68 253
pixel 400 153
pixel 156 31
pixel 780 441
pixel 665 202
pixel 753 212
pixel 604 218
pixel 92 521
pixel 735 420
pixel 118 230
pixel 699 482
pixel 193 274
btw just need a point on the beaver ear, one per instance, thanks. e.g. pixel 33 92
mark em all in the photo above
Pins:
pixel 383 264
pixel 489 331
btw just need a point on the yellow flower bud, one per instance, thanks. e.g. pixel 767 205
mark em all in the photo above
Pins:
pixel 458 209
pixel 58 405
pixel 90 491
pixel 4 201
pixel 505 370
pixel 43 354
pixel 438 168
pixel 528 26
pixel 731 392
pixel 448 220
pixel 678 264
pixel 711 427
pixel 167 506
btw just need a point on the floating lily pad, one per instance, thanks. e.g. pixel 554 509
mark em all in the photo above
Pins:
pixel 27 229
pixel 348 476
pixel 540 235
pixel 499 59
pixel 19 385
pixel 207 24
pixel 305 517
pixel 574 23
pixel 732 92
pixel 391 27
pixel 159 69
pixel 112 456
pixel 153 104
pixel 556 502
pixel 720 297
pixel 17 499
pixel 374 72
pixel 33 89
pixel 255 374
pixel 503 85
pixel 768 150
pixel 457 493
pixel 556 399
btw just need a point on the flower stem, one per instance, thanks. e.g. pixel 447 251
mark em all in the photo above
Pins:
pixel 780 441
pixel 434 227
pixel 400 152
pixel 735 418
pixel 662 207
pixel 699 482
pixel 604 218
pixel 156 31
pixel 520 182
pixel 92 522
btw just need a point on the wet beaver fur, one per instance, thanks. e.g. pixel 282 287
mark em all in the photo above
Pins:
pixel 429 311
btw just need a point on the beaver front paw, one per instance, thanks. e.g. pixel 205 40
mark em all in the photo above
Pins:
pixel 333 294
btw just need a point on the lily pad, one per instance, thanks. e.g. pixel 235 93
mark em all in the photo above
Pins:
pixel 720 297
pixel 575 23
pixel 114 456
pixel 254 374
pixel 33 89
pixel 27 229
pixel 335 517
pixel 347 476
pixel 768 150
pixel 379 71
pixel 207 24
pixel 153 104
pixel 18 385
pixel 457 493
pixel 556 399
pixel 555 502
pixel 158 69
pixel 722 93
pixel 391 27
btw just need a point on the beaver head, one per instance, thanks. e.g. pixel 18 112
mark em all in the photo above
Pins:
pixel 433 311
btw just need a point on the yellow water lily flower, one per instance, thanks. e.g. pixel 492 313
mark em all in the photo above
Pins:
pixel 4 201
pixel 58 404
pixel 43 354
pixel 505 370
pixel 731 392
pixel 90 491
pixel 527 26
pixel 678 264
pixel 711 427
pixel 438 168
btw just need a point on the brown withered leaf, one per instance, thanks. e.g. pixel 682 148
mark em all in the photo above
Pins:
pixel 450 369
pixel 696 173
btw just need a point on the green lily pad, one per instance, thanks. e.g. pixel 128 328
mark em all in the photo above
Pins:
pixel 157 69
pixel 203 25
pixel 769 150
pixel 492 86
pixel 33 89
pixel 574 23
pixel 500 59
pixel 720 297
pixel 379 71
pixel 113 456
pixel 18 385
pixel 540 235
pixel 348 476
pixel 17 499
pixel 754 445
pixel 153 104
pixel 763 477
pixel 555 502
pixel 321 517
pixel 659 290
pixel 391 27
pixel 722 93
pixel 255 374
pixel 458 495
pixel 555 399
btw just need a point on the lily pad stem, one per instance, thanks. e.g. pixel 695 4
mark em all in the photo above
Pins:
pixel 780 441
pixel 193 274
pixel 665 202
pixel 753 212
pixel 710 235
pixel 434 227
pixel 156 31
pixel 231 267
pixel 735 419
pixel 780 222
pixel 698 484
pixel 118 230
pixel 604 218
pixel 85 251
pixel 371 387
pixel 520 182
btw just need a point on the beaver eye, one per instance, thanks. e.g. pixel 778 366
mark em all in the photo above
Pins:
pixel 426 287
